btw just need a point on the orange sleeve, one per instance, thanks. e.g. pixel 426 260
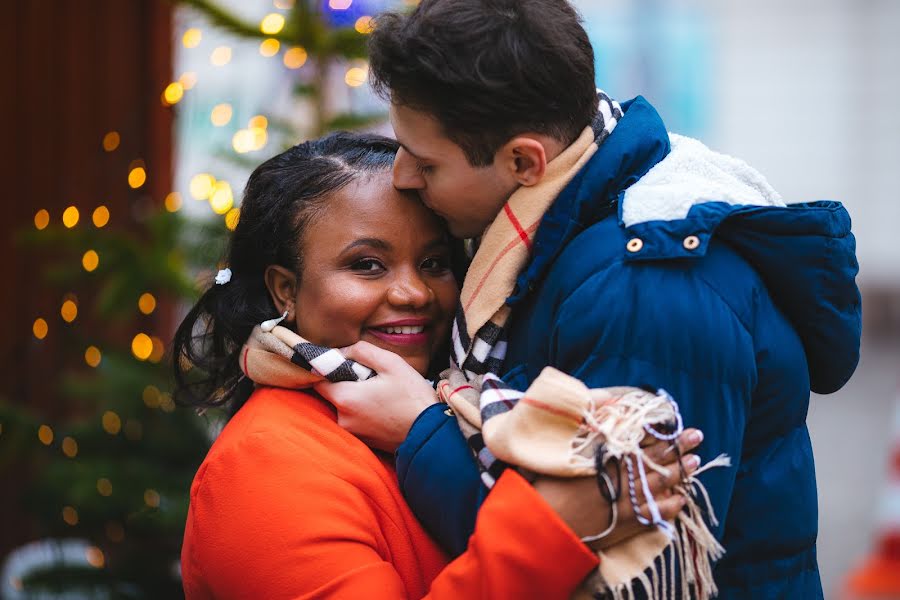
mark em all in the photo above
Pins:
pixel 260 529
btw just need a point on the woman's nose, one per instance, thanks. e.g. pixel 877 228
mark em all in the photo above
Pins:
pixel 406 174
pixel 410 292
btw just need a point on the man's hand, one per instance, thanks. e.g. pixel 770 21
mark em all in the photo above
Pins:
pixel 379 411
pixel 579 503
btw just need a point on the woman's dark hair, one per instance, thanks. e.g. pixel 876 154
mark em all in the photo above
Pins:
pixel 281 197
pixel 488 70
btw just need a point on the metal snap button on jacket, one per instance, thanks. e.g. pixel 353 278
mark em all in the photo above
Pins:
pixel 634 245
pixel 691 242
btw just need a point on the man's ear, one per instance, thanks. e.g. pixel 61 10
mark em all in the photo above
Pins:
pixel 525 158
pixel 282 286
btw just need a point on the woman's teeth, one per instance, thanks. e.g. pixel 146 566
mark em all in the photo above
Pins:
pixel 405 330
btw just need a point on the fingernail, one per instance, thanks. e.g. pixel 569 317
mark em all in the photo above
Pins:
pixel 691 461
pixel 695 437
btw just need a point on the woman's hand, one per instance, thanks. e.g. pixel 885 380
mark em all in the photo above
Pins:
pixel 579 503
pixel 381 410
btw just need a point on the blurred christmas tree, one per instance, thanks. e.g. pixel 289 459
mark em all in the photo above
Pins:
pixel 113 473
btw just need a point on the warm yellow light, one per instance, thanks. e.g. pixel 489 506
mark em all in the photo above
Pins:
pixel 271 24
pixel 339 4
pixel 39 329
pixel 90 260
pixel 159 350
pixel 269 47
pixel 45 434
pixel 69 311
pixel 364 24
pixel 104 486
pixel 295 57
pixel 111 141
pixel 259 137
pixel 258 121
pixel 356 76
pixel 146 303
pixel 188 80
pixel 173 201
pixel 70 217
pixel 222 199
pixel 202 185
pixel 232 217
pixel 92 356
pixel 70 515
pixel 137 177
pixel 70 448
pixel 100 216
pixel 284 4
pixel 112 424
pixel 242 141
pixel 151 396
pixel 94 556
pixel 141 346
pixel 151 498
pixel 220 56
pixel 192 37
pixel 41 219
pixel 221 114
pixel 173 93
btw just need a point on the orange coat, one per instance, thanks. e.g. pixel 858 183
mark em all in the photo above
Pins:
pixel 289 505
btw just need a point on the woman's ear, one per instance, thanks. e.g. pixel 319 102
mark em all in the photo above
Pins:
pixel 526 159
pixel 282 286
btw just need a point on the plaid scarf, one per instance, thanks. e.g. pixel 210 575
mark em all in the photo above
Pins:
pixel 479 329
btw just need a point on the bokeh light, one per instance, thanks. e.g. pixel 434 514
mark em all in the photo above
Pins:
pixel 356 76
pixel 173 201
pixel 192 37
pixel 339 4
pixel 141 346
pixel 41 219
pixel 151 498
pixel 173 93
pixel 100 217
pixel 70 217
pixel 69 310
pixel 111 141
pixel 220 56
pixel 151 396
pixel 258 121
pixel 70 447
pixel 201 185
pixel 45 434
pixel 70 515
pixel 39 328
pixel 221 114
pixel 364 24
pixel 269 47
pixel 104 487
pixel 271 24
pixel 90 261
pixel 112 424
pixel 94 556
pixel 221 199
pixel 147 303
pixel 92 356
pixel 137 177
pixel 295 57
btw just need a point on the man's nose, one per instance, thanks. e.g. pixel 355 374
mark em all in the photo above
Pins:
pixel 406 174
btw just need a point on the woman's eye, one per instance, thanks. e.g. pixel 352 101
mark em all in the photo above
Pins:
pixel 436 263
pixel 369 265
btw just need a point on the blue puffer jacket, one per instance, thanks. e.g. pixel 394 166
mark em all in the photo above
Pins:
pixel 734 303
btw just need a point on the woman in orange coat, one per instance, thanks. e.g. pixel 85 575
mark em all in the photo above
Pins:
pixel 288 504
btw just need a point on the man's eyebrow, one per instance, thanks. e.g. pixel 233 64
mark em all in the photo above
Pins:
pixel 371 242
pixel 411 153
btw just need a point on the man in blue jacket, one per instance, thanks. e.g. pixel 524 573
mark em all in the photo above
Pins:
pixel 658 262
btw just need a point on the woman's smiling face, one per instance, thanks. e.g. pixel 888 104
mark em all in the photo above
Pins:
pixel 376 267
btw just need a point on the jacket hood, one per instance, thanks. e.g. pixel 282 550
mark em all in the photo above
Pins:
pixel 673 194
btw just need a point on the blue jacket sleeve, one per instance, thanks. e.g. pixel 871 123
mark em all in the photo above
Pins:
pixel 664 326
pixel 439 478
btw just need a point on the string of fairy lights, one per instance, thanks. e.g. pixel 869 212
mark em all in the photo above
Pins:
pixel 203 187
